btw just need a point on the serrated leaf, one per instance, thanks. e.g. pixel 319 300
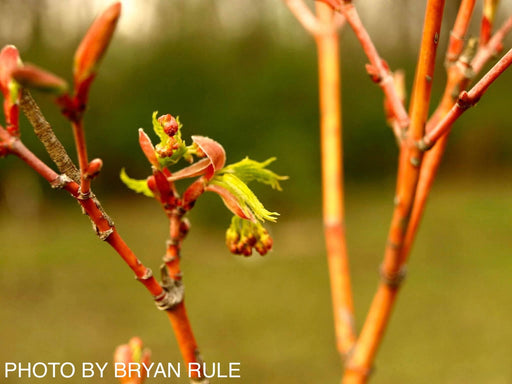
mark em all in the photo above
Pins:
pixel 245 197
pixel 231 202
pixel 139 186
pixel 249 170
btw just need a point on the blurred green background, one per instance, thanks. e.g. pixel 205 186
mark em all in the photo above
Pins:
pixel 244 73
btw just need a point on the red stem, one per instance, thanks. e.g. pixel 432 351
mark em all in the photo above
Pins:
pixel 493 47
pixel 468 99
pixel 81 149
pixel 459 30
pixel 385 79
pixel 142 273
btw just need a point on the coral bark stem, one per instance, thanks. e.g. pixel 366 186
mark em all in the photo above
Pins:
pixel 332 182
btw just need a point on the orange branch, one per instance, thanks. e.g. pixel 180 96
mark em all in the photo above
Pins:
pixel 361 360
pixel 332 182
pixel 458 76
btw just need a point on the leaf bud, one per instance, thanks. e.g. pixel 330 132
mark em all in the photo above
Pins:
pixel 169 124
pixel 94 168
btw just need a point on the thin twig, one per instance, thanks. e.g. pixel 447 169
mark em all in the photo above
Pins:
pixel 467 99
pixel 379 69
pixel 458 33
pixel 493 47
pixel 398 130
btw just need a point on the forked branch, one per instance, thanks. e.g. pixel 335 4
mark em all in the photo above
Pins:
pixel 466 100
pixel 392 271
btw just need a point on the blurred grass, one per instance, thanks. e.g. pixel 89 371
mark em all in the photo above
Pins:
pixel 68 297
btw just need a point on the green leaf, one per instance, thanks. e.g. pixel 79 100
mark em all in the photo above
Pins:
pixel 139 186
pixel 159 129
pixel 245 197
pixel 248 170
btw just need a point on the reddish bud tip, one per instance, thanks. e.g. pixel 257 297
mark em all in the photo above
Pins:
pixel 9 60
pixel 373 72
pixel 152 184
pixel 94 168
pixel 169 124
pixel 31 76
pixel 95 43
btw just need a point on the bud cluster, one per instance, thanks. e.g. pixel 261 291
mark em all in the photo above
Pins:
pixel 170 127
pixel 243 236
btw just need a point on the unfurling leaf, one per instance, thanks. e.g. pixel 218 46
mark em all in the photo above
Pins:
pixel 248 170
pixel 197 169
pixel 139 186
pixel 215 159
pixel 213 151
pixel 246 199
